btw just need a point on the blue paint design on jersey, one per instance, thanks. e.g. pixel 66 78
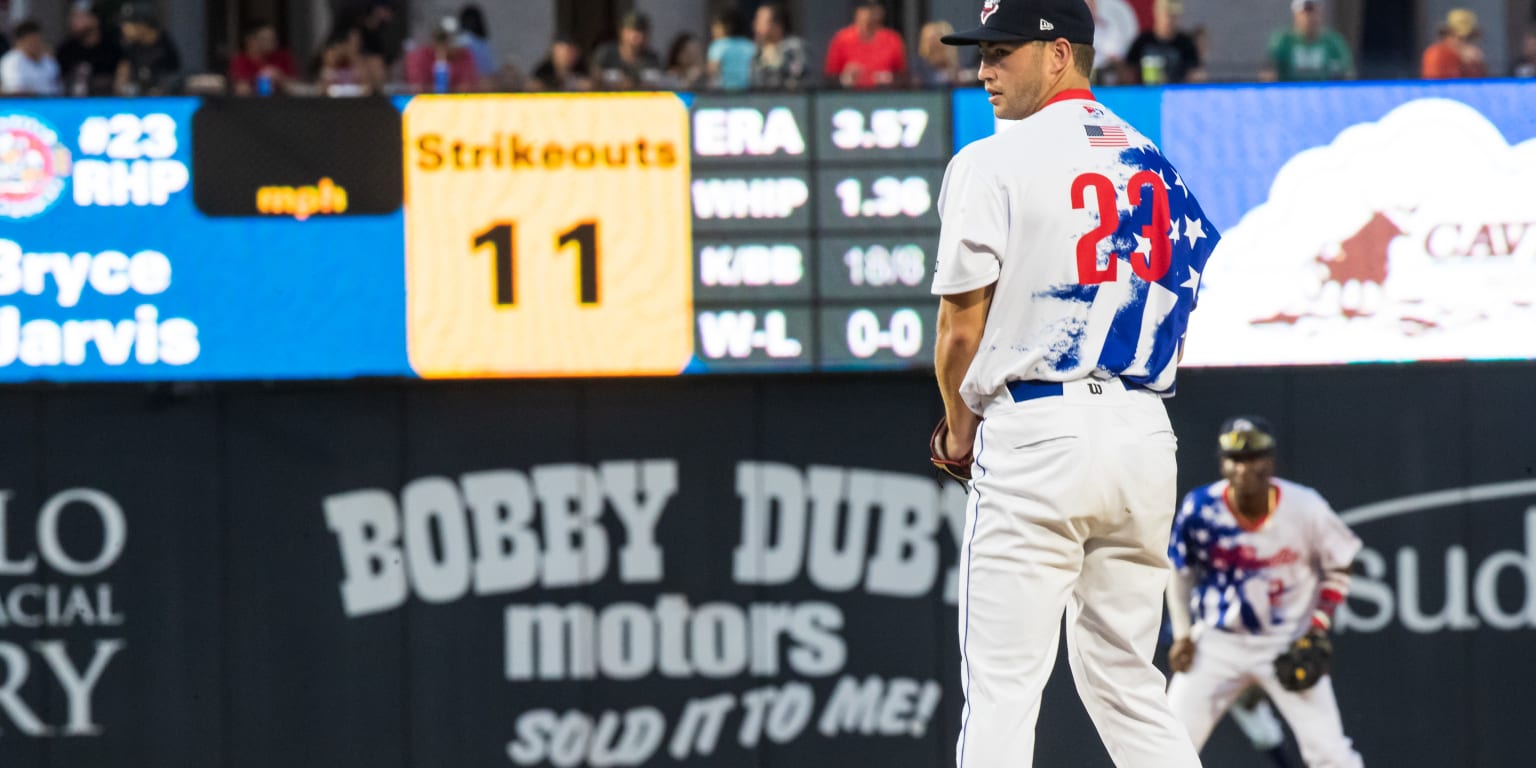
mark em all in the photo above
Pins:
pixel 1187 259
pixel 1222 566
pixel 1065 353
pixel 1084 294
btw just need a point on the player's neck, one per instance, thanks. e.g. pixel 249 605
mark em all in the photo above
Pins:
pixel 1253 506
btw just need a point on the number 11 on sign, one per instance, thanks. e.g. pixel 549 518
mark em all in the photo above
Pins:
pixel 502 237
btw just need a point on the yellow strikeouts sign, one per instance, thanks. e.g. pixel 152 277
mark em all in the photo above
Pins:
pixel 548 235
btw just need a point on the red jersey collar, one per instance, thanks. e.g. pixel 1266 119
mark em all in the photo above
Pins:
pixel 1069 95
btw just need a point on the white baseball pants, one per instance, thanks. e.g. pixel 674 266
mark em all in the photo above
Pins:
pixel 1070 510
pixel 1226 663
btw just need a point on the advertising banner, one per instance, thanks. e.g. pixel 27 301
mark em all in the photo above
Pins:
pixel 591 574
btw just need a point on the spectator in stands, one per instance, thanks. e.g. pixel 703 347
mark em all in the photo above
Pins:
pixel 443 66
pixel 562 70
pixel 781 60
pixel 1457 55
pixel 1525 64
pixel 730 52
pixel 1165 53
pixel 687 63
pixel 476 38
pixel 630 62
pixel 29 69
pixel 262 67
pixel 88 57
pixel 382 36
pixel 1114 28
pixel 345 70
pixel 1309 50
pixel 866 54
pixel 937 65
pixel 151 63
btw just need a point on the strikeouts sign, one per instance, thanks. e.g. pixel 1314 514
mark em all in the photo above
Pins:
pixel 547 235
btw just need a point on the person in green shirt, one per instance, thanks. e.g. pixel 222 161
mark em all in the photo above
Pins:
pixel 1308 50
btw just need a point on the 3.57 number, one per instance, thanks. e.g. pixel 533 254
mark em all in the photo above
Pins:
pixel 502 237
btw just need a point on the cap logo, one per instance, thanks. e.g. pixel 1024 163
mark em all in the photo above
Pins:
pixel 987 9
pixel 1046 26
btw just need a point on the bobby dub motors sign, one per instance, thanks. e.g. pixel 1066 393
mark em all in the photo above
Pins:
pixel 705 675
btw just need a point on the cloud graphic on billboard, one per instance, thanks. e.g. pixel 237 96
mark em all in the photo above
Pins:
pixel 1410 238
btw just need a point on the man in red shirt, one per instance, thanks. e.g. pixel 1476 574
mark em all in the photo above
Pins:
pixel 445 66
pixel 866 54
pixel 260 56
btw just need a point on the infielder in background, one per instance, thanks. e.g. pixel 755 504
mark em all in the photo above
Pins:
pixel 1263 563
pixel 1069 258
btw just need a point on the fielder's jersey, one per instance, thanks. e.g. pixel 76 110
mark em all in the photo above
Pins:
pixel 1093 239
pixel 1261 581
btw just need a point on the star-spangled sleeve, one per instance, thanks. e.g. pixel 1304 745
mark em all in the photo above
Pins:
pixel 1178 542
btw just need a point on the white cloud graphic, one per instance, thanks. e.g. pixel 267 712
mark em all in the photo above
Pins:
pixel 1316 275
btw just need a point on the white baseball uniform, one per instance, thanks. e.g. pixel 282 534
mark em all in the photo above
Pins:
pixel 1254 593
pixel 1095 246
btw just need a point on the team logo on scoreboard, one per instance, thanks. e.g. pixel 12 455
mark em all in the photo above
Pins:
pixel 33 166
pixel 987 9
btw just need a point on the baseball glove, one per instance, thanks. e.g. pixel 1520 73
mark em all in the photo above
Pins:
pixel 957 467
pixel 1305 662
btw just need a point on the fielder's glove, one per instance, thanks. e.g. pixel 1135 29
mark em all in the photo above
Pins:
pixel 957 467
pixel 1305 662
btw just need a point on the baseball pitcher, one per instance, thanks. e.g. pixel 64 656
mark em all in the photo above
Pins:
pixel 1069 258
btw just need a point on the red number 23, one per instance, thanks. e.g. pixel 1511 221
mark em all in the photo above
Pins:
pixel 1150 267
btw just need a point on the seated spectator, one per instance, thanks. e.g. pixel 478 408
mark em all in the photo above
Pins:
pixel 730 52
pixel 687 63
pixel 444 66
pixel 780 60
pixel 865 54
pixel 562 69
pixel 629 62
pixel 476 38
pixel 937 65
pixel 1525 64
pixel 1164 53
pixel 1457 55
pixel 1114 28
pixel 262 67
pixel 151 63
pixel 1309 50
pixel 345 70
pixel 88 58
pixel 29 69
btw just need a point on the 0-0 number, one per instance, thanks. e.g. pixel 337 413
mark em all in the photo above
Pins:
pixel 502 237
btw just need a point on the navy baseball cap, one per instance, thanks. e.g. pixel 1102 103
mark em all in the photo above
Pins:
pixel 1246 436
pixel 1008 21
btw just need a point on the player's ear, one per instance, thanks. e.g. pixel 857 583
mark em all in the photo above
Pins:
pixel 1061 55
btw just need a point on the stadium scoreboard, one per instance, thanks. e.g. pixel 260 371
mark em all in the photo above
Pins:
pixel 641 234
pixel 814 227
